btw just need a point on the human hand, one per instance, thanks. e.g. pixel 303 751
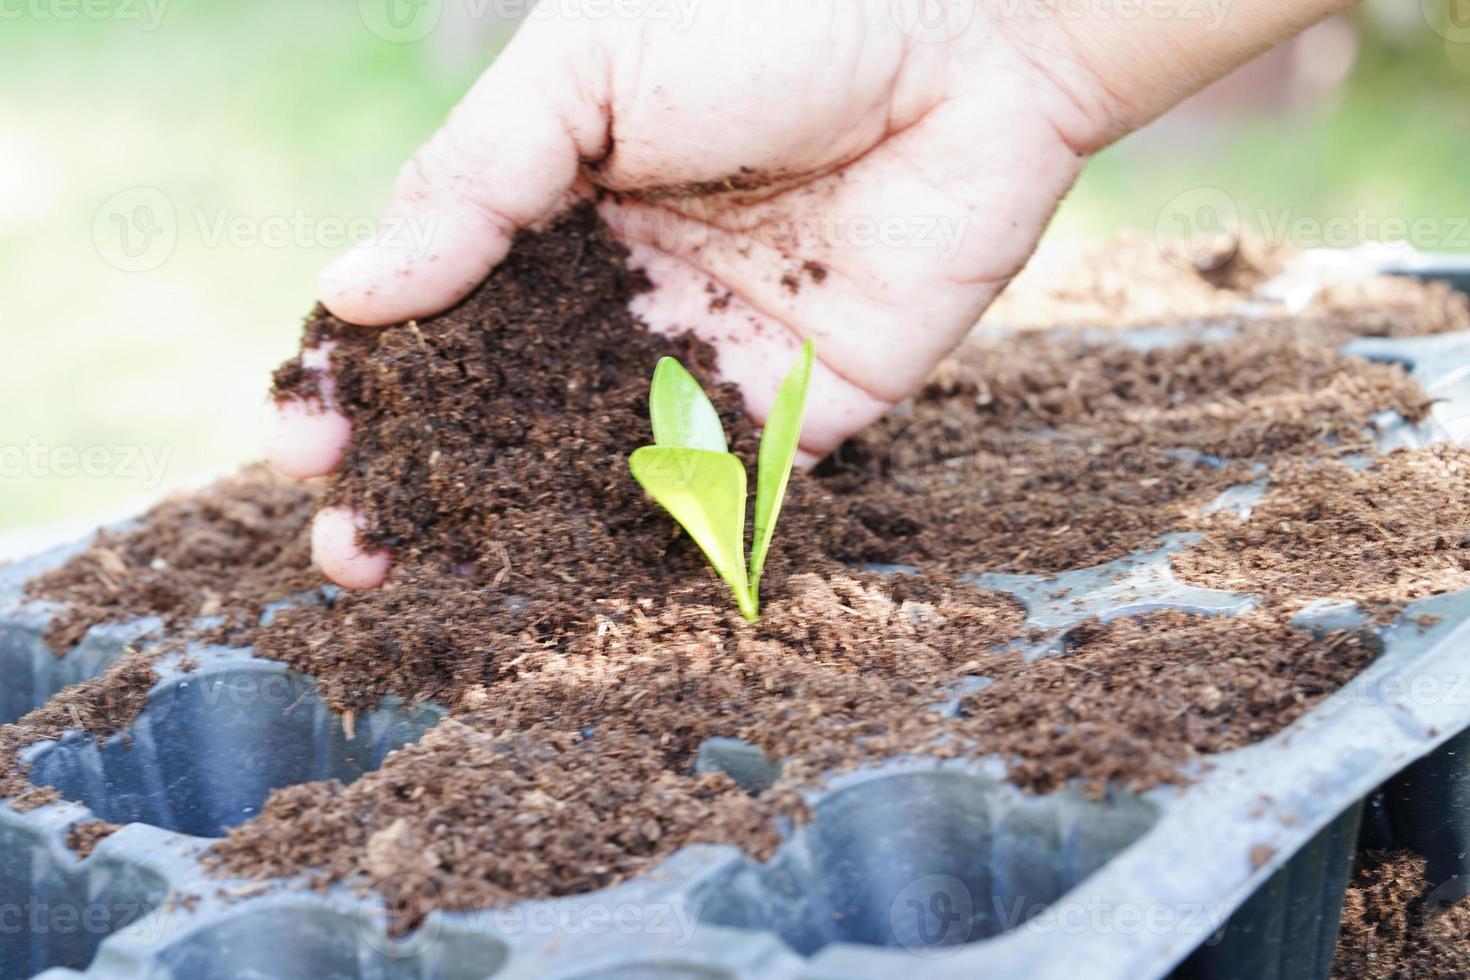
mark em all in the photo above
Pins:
pixel 841 170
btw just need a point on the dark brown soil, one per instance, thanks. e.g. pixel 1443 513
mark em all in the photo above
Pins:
pixel 1389 930
pixel 586 651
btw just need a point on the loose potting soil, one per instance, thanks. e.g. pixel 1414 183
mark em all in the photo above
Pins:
pixel 1394 929
pixel 585 650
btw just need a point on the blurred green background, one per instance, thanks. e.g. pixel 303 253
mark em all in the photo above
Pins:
pixel 176 171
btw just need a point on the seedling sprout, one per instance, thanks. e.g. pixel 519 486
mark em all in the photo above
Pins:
pixel 693 475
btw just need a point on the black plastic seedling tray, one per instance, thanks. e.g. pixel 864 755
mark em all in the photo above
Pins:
pixel 913 868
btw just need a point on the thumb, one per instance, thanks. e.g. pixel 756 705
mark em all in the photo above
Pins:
pixel 505 159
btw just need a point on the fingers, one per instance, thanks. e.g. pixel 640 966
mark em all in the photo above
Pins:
pixel 338 554
pixel 306 437
pixel 755 350
pixel 303 439
pixel 505 159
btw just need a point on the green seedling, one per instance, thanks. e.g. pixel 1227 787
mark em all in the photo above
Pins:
pixel 693 475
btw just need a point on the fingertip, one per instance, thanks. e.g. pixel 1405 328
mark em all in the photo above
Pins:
pixel 335 548
pixel 303 439
pixel 415 267
pixel 806 459
pixel 350 286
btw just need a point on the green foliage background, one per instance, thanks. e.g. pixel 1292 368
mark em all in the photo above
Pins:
pixel 282 108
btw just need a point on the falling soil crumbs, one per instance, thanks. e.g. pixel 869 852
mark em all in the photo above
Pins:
pixel 103 705
pixel 585 651
pixel 84 837
pixel 1394 929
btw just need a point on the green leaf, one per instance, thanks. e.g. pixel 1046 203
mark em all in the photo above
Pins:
pixel 681 412
pixel 705 492
pixel 779 442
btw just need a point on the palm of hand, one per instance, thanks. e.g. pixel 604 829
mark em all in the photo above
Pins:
pixel 780 171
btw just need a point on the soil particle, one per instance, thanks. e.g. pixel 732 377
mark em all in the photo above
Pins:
pixel 719 298
pixel 1391 928
pixel 84 837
